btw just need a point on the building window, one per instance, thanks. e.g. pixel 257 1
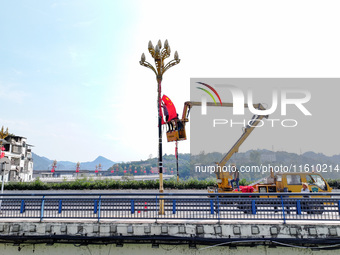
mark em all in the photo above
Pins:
pixel 16 149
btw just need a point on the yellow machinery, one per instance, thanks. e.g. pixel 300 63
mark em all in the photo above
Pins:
pixel 179 134
pixel 292 182
pixel 281 182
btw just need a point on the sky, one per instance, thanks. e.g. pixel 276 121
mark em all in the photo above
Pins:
pixel 71 82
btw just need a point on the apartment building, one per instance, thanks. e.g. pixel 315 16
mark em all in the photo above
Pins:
pixel 20 156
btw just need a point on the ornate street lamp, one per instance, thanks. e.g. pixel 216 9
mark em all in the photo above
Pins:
pixel 159 54
pixel 3 135
pixel 54 166
pixel 77 168
pixel 100 169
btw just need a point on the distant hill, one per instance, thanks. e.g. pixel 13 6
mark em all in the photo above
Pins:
pixel 43 163
pixel 335 159
pixel 187 163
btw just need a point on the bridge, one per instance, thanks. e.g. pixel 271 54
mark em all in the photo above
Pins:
pixel 191 222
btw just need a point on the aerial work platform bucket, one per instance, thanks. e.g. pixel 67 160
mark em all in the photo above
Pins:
pixel 176 135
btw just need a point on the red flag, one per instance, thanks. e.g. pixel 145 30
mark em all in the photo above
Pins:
pixel 170 106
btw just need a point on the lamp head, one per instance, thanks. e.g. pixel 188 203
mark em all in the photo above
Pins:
pixel 157 49
pixel 150 46
pixel 176 55
pixel 166 44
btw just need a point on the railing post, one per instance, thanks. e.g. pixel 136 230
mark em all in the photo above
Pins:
pixel 42 208
pixel 253 207
pixel 156 205
pixel 100 202
pixel 212 211
pixel 60 206
pixel 218 209
pixel 95 206
pixel 298 206
pixel 174 206
pixel 283 211
pixel 132 206
pixel 22 207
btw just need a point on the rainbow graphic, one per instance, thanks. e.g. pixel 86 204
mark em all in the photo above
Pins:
pixel 209 93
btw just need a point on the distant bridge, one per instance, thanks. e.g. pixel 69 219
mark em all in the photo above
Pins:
pixel 134 177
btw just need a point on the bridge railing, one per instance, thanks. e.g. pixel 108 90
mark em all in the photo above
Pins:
pixel 189 206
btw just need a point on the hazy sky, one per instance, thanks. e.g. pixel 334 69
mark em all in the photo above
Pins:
pixel 71 82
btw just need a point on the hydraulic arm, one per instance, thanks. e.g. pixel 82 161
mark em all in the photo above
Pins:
pixel 223 177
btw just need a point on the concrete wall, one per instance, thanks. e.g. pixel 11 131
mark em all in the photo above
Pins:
pixel 299 231
pixel 62 238
pixel 139 249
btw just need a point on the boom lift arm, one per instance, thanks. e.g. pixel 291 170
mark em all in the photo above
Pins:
pixel 223 177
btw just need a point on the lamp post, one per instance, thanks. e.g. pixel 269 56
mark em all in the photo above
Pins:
pixel 54 166
pixel 176 154
pixel 159 54
pixel 77 168
pixel 3 135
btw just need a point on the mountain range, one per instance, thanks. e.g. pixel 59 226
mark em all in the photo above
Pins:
pixel 43 163
pixel 187 162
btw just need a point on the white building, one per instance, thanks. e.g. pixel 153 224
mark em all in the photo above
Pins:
pixel 19 153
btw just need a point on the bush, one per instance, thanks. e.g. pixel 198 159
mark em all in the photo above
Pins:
pixel 88 184
pixel 82 184
pixel 334 184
